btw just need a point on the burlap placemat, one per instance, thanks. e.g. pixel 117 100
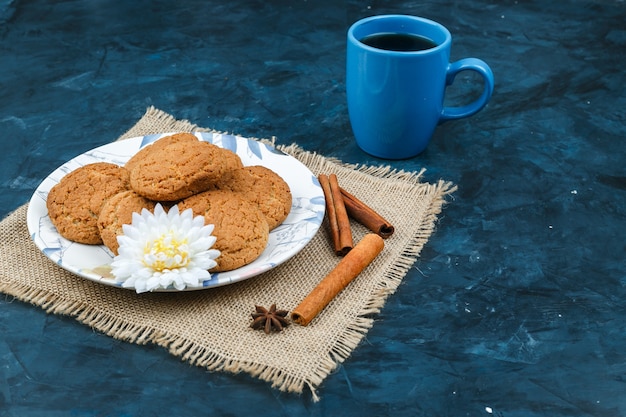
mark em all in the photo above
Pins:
pixel 210 328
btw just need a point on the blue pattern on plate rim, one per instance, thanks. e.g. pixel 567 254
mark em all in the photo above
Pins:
pixel 92 261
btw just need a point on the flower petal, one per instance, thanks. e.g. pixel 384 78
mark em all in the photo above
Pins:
pixel 165 250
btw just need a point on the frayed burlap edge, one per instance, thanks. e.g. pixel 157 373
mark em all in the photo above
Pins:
pixel 212 361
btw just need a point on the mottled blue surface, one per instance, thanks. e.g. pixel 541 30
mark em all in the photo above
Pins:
pixel 517 306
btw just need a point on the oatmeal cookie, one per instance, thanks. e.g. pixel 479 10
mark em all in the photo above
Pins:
pixel 177 170
pixel 74 203
pixel 241 229
pixel 263 187
pixel 117 211
pixel 158 144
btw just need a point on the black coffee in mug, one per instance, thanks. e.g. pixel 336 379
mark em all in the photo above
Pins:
pixel 402 42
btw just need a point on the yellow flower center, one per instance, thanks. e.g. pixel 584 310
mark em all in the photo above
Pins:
pixel 166 252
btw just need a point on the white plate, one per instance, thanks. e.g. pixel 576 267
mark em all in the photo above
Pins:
pixel 93 261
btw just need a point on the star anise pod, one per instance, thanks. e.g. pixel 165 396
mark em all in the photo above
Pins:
pixel 269 320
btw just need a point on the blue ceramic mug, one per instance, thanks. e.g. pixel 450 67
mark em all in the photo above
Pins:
pixel 397 71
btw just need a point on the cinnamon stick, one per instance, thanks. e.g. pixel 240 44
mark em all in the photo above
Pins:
pixel 346 270
pixel 338 220
pixel 365 215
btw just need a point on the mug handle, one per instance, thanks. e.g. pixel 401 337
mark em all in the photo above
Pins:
pixel 468 64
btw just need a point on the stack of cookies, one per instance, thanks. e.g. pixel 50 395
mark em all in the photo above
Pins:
pixel 90 205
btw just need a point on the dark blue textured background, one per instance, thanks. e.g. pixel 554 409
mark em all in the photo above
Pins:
pixel 517 305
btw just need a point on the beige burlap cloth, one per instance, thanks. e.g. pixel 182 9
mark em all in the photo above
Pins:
pixel 210 328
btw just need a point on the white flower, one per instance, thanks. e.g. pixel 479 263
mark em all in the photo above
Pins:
pixel 164 250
